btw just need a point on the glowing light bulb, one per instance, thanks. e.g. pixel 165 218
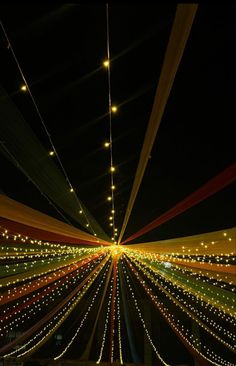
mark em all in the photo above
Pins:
pixel 114 109
pixel 109 198
pixel 23 88
pixel 113 168
pixel 110 218
pixel 106 144
pixel 71 190
pixel 81 212
pixel 112 211
pixel 106 63
pixel 87 225
pixel 51 153
pixel 113 187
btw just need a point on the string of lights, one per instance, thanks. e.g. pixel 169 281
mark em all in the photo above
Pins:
pixel 43 298
pixel 58 278
pixel 177 301
pixel 53 151
pixel 179 294
pixel 106 323
pixel 85 316
pixel 191 341
pixel 30 179
pixel 111 109
pixel 119 317
pixel 8 281
pixel 62 315
pixel 141 318
pixel 202 296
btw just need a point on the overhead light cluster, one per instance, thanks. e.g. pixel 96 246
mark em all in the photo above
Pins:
pixel 108 145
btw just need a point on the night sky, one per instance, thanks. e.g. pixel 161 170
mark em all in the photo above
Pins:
pixel 61 48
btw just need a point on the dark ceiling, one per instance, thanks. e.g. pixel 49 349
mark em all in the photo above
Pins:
pixel 61 48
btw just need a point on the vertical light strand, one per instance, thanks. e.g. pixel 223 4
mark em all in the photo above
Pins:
pixel 113 309
pixel 142 320
pixel 106 323
pixel 110 123
pixel 118 318
pixel 84 318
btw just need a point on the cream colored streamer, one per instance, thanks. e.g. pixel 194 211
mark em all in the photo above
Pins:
pixel 181 28
pixel 221 242
pixel 16 211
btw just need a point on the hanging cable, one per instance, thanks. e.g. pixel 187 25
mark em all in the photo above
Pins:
pixel 53 151
pixel 111 109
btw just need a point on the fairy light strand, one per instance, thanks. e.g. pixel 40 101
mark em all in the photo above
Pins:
pixel 112 169
pixel 81 210
pixel 85 316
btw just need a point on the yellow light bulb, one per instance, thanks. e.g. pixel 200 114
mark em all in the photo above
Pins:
pixel 106 144
pixel 51 153
pixel 110 218
pixel 111 223
pixel 113 168
pixel 109 198
pixel 23 88
pixel 112 211
pixel 113 187
pixel 114 109
pixel 71 190
pixel 106 63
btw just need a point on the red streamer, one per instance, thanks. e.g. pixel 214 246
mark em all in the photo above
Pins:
pixel 40 234
pixel 214 185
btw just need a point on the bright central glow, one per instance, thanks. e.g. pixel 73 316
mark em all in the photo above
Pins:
pixel 116 250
